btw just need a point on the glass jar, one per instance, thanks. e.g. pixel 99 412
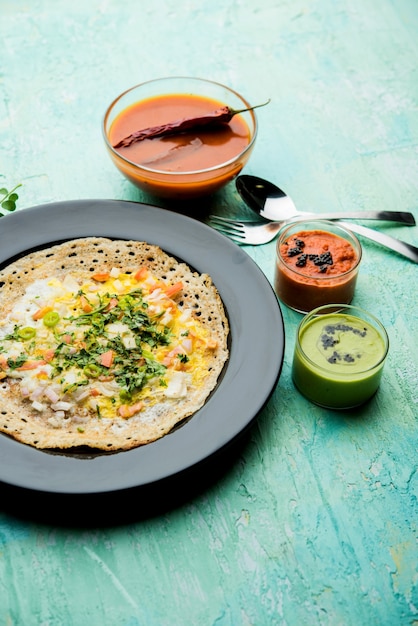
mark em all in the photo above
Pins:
pixel 317 263
pixel 339 356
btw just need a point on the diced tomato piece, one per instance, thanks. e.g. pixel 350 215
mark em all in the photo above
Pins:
pixel 31 365
pixel 85 305
pixel 112 303
pixel 172 290
pixel 169 357
pixel 49 355
pixel 106 359
pixel 156 285
pixel 101 277
pixel 141 273
pixel 128 410
pixel 40 313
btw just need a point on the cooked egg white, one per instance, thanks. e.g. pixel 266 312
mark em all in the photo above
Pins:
pixel 78 393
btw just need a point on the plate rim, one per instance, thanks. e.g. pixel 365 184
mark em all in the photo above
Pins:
pixel 207 251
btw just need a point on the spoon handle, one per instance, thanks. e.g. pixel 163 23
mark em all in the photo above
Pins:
pixel 403 248
pixel 403 217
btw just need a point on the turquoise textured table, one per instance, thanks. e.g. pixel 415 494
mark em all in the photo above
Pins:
pixel 315 522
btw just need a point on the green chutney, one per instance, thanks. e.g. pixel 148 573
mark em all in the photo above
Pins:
pixel 338 359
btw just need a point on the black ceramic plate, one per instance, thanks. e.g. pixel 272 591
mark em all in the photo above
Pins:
pixel 256 351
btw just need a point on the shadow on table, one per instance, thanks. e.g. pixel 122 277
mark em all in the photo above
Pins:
pixel 124 506
pixel 134 504
pixel 226 202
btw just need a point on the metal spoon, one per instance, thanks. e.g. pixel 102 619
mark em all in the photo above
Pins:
pixel 265 199
pixel 273 204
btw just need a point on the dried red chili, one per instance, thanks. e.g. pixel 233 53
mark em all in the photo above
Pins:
pixel 220 116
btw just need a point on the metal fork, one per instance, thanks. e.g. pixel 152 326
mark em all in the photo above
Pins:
pixel 255 234
pixel 251 233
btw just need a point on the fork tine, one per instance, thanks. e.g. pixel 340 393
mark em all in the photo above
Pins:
pixel 227 226
pixel 236 238
pixel 250 233
pixel 234 235
pixel 227 221
pixel 224 220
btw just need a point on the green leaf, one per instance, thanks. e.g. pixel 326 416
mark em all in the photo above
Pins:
pixel 8 201
pixel 8 205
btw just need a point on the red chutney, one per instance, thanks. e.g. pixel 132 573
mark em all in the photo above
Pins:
pixel 315 267
pixel 185 152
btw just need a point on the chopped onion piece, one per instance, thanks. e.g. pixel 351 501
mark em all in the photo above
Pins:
pixel 129 342
pixel 117 328
pixel 177 385
pixel 36 393
pixel 70 283
pixel 107 389
pixel 79 397
pixel 187 345
pixel 78 419
pixel 53 421
pixel 51 395
pixel 186 315
pixel 166 318
pixel 38 406
pixel 155 295
pixel 62 406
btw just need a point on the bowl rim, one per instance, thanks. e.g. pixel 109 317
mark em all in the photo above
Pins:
pixel 178 174
pixel 352 310
pixel 326 224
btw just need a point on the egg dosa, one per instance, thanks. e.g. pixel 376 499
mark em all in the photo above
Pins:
pixel 31 418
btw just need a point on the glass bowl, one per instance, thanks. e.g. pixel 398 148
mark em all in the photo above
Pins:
pixel 174 169
pixel 317 263
pixel 339 355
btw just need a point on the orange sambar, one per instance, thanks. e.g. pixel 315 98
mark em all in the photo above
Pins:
pixel 188 151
